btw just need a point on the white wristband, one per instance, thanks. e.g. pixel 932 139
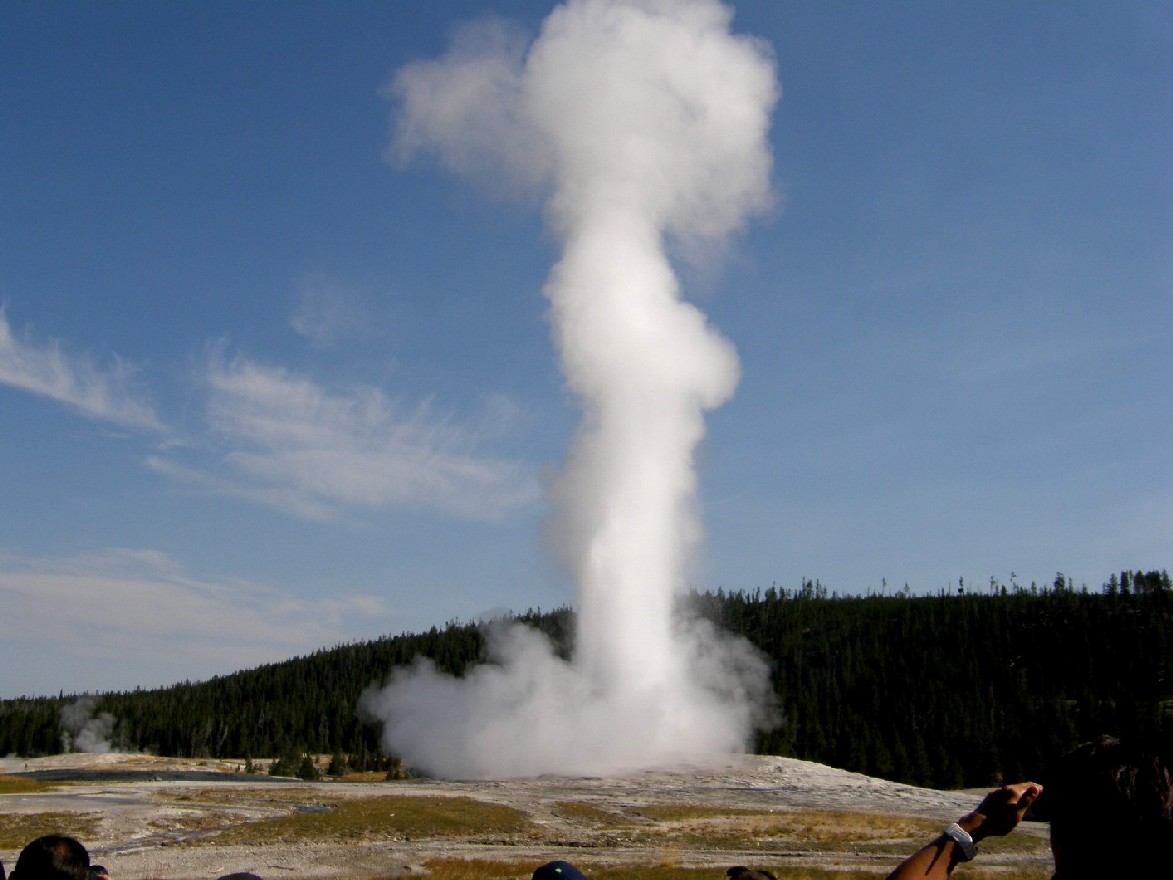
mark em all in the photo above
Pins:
pixel 967 849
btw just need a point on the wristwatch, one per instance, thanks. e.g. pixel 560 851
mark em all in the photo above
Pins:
pixel 967 849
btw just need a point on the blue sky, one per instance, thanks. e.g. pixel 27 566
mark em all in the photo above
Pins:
pixel 263 390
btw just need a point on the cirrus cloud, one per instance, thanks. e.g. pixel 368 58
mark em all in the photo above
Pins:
pixel 44 369
pixel 289 443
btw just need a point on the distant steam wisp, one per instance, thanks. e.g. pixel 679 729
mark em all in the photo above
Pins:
pixel 84 731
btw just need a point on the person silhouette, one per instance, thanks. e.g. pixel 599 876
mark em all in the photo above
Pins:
pixel 1109 804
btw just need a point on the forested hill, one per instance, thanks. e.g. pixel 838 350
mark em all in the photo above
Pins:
pixel 957 689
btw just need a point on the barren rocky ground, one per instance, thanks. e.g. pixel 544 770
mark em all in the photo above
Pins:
pixel 148 817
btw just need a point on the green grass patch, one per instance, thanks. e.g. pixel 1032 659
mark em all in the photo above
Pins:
pixel 387 818
pixel 17 829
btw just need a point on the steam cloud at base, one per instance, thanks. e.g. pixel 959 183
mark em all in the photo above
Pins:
pixel 646 122
pixel 531 712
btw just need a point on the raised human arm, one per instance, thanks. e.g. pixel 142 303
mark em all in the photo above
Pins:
pixel 999 813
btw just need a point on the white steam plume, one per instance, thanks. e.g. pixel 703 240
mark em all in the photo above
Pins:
pixel 648 122
pixel 82 730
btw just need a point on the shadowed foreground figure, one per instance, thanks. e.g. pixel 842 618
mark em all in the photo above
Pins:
pixel 740 872
pixel 1111 812
pixel 52 857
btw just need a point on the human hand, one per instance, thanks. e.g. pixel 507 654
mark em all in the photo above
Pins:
pixel 1001 810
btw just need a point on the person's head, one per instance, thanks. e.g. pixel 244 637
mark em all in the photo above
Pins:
pixel 558 871
pixel 1111 810
pixel 52 857
pixel 740 872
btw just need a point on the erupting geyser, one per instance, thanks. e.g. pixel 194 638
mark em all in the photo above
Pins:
pixel 646 121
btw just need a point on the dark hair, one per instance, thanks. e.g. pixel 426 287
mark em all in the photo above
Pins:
pixel 52 857
pixel 1110 805
pixel 740 872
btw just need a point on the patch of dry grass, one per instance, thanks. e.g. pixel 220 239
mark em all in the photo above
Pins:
pixel 480 869
pixel 590 815
pixel 666 872
pixel 20 785
pixel 685 812
pixel 363 776
pixel 17 829
pixel 670 827
pixel 807 830
pixel 817 830
pixel 385 818
pixel 277 794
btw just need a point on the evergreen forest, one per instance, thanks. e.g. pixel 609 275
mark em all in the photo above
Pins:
pixel 962 688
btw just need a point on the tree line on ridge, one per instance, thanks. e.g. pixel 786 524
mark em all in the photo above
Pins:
pixel 962 688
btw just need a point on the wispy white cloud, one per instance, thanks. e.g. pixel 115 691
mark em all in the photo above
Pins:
pixel 288 443
pixel 107 617
pixel 286 499
pixel 74 380
pixel 326 313
pixel 311 452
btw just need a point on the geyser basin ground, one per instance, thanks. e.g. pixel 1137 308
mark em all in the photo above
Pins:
pixel 145 817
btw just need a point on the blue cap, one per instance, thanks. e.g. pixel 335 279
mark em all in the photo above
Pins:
pixel 558 871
